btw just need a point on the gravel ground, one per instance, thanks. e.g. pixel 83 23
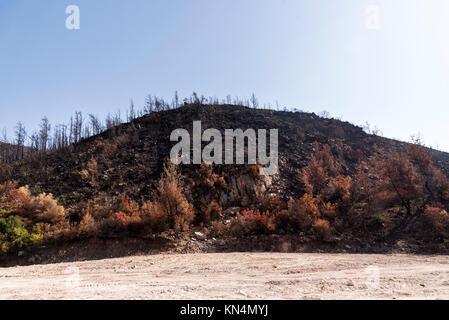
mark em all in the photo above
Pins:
pixel 234 276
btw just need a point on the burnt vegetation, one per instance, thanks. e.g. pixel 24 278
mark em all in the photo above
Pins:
pixel 91 178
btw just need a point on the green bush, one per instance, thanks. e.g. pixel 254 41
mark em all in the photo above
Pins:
pixel 14 235
pixel 379 220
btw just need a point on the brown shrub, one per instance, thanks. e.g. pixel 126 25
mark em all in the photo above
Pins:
pixel 61 231
pixel 339 189
pixel 154 216
pixel 398 181
pixel 303 212
pixel 44 208
pixel 208 182
pixel 87 226
pixel 270 202
pixel 210 213
pixel 98 208
pixel 321 167
pixel 256 222
pixel 169 210
pixel 328 210
pixel 219 229
pixel 41 208
pixel 17 200
pixel 171 202
pixel 322 228
pixel 127 206
pixel 438 218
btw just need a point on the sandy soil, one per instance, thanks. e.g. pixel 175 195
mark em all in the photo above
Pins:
pixel 234 276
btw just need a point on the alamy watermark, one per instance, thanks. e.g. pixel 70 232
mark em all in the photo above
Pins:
pixel 213 152
pixel 373 277
pixel 372 17
pixel 72 22
pixel 73 278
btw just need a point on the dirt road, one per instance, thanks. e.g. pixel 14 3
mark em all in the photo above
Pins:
pixel 234 276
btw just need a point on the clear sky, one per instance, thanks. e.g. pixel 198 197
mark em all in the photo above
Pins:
pixel 313 55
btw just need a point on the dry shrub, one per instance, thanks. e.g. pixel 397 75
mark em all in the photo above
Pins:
pixel 127 206
pixel 328 210
pixel 37 212
pixel 436 184
pixel 46 209
pixel 123 215
pixel 41 208
pixel 5 190
pixel 84 174
pixel 171 201
pixel 210 213
pixel 438 218
pixel 322 228
pixel 403 179
pixel 270 202
pixel 303 212
pixel 109 149
pixel 400 180
pixel 169 210
pixel 256 222
pixel 154 217
pixel 315 176
pixel 92 166
pixel 328 192
pixel 338 190
pixel 87 226
pixel 209 182
pixel 219 229
pixel 17 200
pixel 98 208
pixel 122 140
pixel 173 205
pixel 62 231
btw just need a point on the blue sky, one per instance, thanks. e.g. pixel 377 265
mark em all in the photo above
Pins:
pixel 313 55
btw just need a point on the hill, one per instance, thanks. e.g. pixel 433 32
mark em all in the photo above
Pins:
pixel 124 166
pixel 130 156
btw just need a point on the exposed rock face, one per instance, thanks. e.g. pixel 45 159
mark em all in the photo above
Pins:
pixel 241 187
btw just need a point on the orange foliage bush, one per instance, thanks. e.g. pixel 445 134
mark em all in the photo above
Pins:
pixel 19 201
pixel 44 208
pixel 400 179
pixel 87 226
pixel 169 210
pixel 408 179
pixel 173 204
pixel 338 190
pixel 209 182
pixel 256 222
pixel 321 167
pixel 154 217
pixel 210 213
pixel 438 218
pixel 322 228
pixel 270 202
pixel 303 212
